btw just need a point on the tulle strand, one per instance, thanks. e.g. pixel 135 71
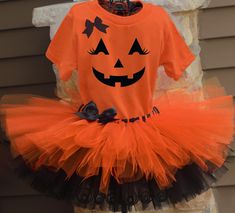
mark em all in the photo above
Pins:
pixel 193 128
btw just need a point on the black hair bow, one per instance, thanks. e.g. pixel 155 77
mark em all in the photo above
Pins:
pixel 97 23
pixel 90 112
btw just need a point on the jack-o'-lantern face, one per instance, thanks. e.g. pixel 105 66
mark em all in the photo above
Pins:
pixel 123 79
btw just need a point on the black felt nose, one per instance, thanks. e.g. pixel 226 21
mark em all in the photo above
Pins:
pixel 118 64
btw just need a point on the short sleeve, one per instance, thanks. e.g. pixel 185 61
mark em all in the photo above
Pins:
pixel 62 50
pixel 175 56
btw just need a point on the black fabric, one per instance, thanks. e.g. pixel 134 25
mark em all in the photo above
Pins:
pixel 191 180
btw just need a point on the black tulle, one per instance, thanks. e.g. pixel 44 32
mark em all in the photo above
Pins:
pixel 142 194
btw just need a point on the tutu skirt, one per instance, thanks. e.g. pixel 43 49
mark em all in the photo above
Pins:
pixel 173 153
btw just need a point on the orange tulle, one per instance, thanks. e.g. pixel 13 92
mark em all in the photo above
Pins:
pixel 195 126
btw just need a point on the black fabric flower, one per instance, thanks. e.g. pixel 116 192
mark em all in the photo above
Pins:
pixel 90 112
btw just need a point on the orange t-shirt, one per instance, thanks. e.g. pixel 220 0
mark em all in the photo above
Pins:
pixel 117 57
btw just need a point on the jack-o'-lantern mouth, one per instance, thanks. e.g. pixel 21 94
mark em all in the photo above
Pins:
pixel 123 79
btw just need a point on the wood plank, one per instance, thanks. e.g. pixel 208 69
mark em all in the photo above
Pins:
pixel 33 204
pixel 224 19
pixel 217 53
pixel 221 3
pixel 225 199
pixel 233 147
pixel 226 77
pixel 47 89
pixel 25 71
pixel 18 14
pixel 24 42
pixel 11 184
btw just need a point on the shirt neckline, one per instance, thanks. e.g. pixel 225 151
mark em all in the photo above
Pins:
pixel 125 20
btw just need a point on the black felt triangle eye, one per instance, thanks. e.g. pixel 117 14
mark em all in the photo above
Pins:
pixel 137 48
pixel 100 48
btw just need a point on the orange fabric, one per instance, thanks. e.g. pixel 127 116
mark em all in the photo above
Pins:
pixel 193 126
pixel 155 32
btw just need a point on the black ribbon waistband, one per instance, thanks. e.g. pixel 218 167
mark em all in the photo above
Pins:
pixel 90 112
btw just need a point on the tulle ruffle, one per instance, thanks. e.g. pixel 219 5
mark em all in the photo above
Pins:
pixel 139 195
pixel 193 128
